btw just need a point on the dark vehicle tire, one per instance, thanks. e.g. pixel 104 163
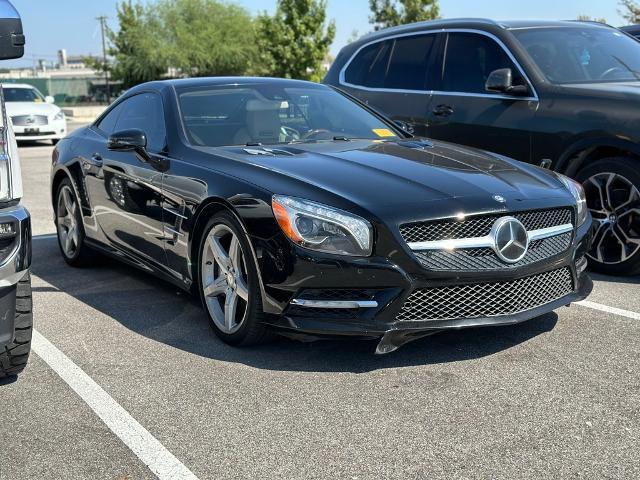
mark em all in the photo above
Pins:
pixel 228 283
pixel 69 227
pixel 13 358
pixel 612 186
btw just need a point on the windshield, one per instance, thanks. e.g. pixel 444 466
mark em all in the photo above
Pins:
pixel 271 114
pixel 582 55
pixel 19 94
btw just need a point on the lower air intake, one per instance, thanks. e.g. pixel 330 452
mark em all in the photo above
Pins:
pixel 487 299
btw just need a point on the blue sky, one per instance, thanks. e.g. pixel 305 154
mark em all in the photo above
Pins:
pixel 54 24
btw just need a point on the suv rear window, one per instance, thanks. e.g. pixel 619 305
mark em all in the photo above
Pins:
pixel 397 64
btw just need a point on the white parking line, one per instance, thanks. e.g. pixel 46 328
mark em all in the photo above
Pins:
pixel 608 309
pixel 145 446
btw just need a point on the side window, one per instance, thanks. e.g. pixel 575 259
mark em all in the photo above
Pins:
pixel 144 112
pixel 108 123
pixel 369 67
pixel 408 65
pixel 469 60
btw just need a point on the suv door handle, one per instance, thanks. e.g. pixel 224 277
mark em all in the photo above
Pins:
pixel 443 111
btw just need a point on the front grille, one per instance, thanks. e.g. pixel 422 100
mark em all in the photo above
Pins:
pixel 29 120
pixel 486 259
pixel 480 226
pixel 487 299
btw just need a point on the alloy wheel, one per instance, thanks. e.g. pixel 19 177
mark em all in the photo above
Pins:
pixel 224 279
pixel 614 202
pixel 68 229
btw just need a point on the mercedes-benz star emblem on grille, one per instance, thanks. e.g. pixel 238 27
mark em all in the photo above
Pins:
pixel 510 239
pixel 30 119
pixel 499 198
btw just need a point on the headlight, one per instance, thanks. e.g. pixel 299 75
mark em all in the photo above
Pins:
pixel 578 193
pixel 322 228
pixel 59 115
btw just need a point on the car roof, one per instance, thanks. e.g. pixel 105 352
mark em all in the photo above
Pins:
pixel 214 81
pixel 478 23
pixel 17 85
pixel 631 29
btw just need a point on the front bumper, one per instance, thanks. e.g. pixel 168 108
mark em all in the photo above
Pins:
pixel 389 281
pixel 54 130
pixel 15 260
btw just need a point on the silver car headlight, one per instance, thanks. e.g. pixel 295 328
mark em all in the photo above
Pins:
pixel 322 228
pixel 578 193
pixel 59 115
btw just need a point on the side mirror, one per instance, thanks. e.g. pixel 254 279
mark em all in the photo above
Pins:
pixel 501 81
pixel 49 99
pixel 11 35
pixel 133 140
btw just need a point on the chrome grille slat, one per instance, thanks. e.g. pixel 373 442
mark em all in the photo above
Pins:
pixel 486 259
pixel 481 225
pixel 487 299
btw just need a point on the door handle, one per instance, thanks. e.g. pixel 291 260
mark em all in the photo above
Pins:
pixel 443 111
pixel 93 161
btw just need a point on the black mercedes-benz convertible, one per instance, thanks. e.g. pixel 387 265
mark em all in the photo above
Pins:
pixel 289 207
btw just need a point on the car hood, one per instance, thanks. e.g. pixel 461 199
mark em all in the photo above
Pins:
pixel 374 174
pixel 621 90
pixel 31 108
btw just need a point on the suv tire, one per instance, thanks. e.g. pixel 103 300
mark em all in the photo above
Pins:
pixel 13 358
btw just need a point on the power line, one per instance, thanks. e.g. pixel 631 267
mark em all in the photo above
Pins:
pixel 103 26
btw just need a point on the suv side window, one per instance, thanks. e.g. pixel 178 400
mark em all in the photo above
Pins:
pixel 144 111
pixel 409 62
pixel 469 59
pixel 108 124
pixel 369 67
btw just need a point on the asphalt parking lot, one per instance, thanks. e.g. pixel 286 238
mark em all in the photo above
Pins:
pixel 557 397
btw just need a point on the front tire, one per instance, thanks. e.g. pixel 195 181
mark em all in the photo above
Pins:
pixel 13 358
pixel 228 283
pixel 69 227
pixel 612 186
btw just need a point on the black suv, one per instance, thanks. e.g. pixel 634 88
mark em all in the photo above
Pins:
pixel 561 94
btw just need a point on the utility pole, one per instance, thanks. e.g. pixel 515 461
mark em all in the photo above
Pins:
pixel 103 26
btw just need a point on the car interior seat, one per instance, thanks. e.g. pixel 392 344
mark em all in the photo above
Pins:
pixel 262 123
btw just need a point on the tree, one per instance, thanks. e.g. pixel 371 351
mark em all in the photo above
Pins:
pixel 295 41
pixel 207 37
pixel 390 13
pixel 181 38
pixel 630 11
pixel 136 48
pixel 588 18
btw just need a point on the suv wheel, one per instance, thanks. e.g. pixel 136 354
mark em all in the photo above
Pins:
pixel 228 283
pixel 13 358
pixel 612 186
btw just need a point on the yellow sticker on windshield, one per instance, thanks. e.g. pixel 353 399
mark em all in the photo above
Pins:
pixel 383 132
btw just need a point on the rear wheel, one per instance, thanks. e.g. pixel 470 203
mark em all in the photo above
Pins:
pixel 13 358
pixel 612 186
pixel 69 227
pixel 228 283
